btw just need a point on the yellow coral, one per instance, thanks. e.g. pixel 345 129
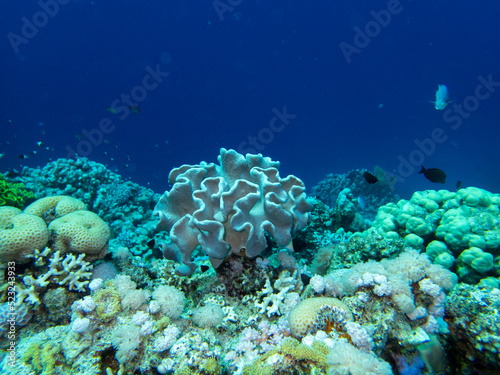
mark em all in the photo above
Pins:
pixel 50 208
pixel 81 232
pixel 43 357
pixel 163 323
pixel 210 366
pixel 304 315
pixel 108 303
pixel 291 354
pixel 20 234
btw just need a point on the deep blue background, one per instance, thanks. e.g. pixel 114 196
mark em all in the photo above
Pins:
pixel 226 76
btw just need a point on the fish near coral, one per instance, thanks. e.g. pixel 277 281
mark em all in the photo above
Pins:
pixel 434 175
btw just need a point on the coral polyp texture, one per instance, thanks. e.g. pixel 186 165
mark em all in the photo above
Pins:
pixel 71 229
pixel 461 227
pixel 51 208
pixel 20 234
pixel 80 232
pixel 230 207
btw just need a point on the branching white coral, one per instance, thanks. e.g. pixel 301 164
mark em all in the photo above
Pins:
pixel 272 302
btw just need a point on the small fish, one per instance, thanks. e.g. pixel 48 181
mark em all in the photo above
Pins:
pixel 305 279
pixel 22 156
pixel 135 109
pixel 151 244
pixel 79 136
pixel 442 97
pixel 40 144
pixel 204 268
pixel 9 122
pixel 434 175
pixel 2 154
pixel 33 152
pixel 111 110
pixel 370 178
pixel 361 202
pixel 459 185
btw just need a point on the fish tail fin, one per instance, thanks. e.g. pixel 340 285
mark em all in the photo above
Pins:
pixel 422 170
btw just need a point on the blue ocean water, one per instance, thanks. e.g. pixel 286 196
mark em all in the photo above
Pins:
pixel 321 86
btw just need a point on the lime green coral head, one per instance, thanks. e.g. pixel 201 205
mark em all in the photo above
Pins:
pixel 14 194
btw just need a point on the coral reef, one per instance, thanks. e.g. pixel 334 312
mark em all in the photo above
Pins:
pixel 367 197
pixel 122 204
pixel 348 299
pixel 474 321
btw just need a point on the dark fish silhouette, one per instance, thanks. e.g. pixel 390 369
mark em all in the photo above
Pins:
pixel 154 249
pixel 305 279
pixel 434 175
pixel 204 268
pixel 459 185
pixel 371 179
pixel 23 156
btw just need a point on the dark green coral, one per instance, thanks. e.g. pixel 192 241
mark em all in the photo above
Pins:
pixel 14 194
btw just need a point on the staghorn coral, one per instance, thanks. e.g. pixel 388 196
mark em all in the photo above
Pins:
pixel 229 207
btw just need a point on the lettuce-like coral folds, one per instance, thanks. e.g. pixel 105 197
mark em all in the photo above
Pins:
pixel 229 207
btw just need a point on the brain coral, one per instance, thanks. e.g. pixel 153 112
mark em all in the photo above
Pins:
pixel 20 234
pixel 50 208
pixel 80 232
pixel 229 207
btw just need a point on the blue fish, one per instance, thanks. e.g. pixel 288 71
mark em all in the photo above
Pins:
pixel 442 97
